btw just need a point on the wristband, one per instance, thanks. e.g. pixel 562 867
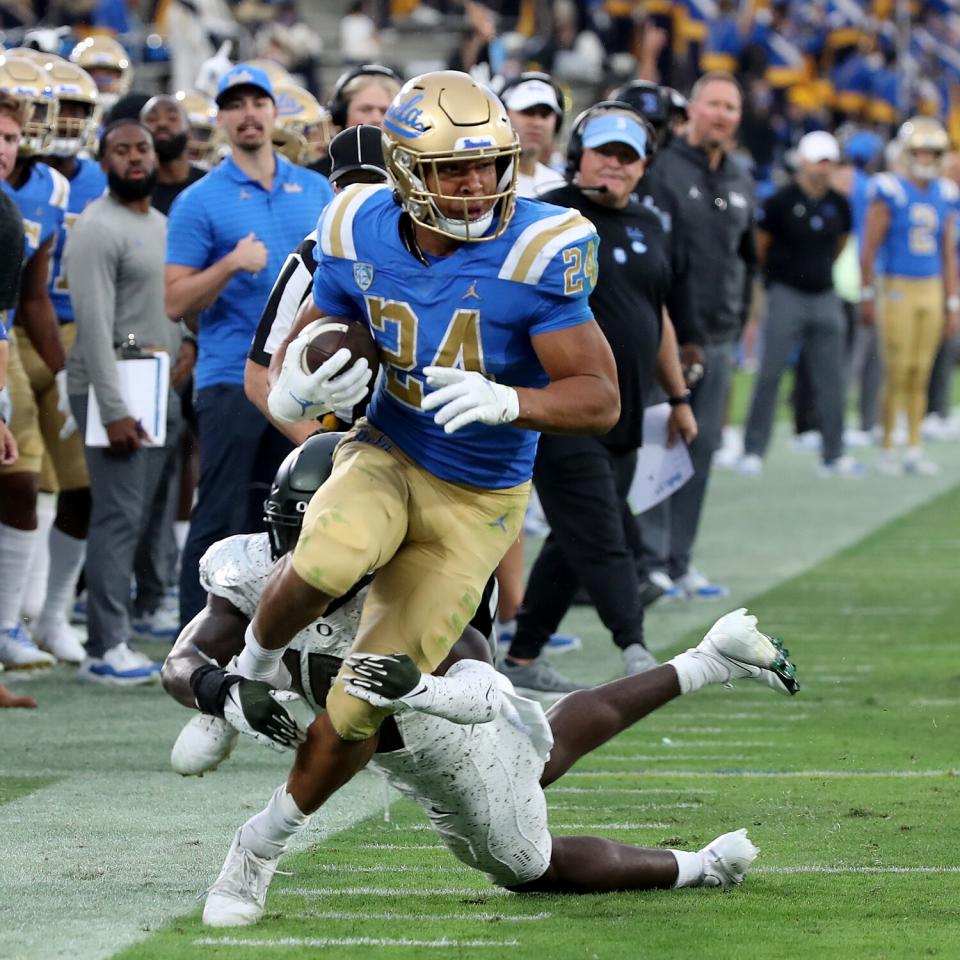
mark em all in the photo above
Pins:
pixel 210 686
pixel 684 398
pixel 867 294
pixel 953 304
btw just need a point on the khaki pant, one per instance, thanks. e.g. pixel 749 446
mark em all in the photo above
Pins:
pixel 433 544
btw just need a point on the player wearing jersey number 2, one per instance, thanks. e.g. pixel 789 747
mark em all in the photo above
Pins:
pixel 478 303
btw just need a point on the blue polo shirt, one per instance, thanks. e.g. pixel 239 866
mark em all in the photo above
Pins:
pixel 206 222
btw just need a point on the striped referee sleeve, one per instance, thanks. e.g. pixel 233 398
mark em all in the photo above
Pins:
pixel 292 287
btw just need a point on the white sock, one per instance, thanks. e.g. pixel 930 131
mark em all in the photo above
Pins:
pixel 696 670
pixel 36 588
pixel 66 559
pixel 180 530
pixel 266 834
pixel 689 868
pixel 16 548
pixel 256 662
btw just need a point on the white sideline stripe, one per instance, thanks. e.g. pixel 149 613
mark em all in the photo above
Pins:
pixel 400 846
pixel 388 892
pixel 442 944
pixel 669 754
pixel 379 868
pixel 693 719
pixel 822 774
pixel 608 826
pixel 821 869
pixel 597 791
pixel 936 702
pixel 633 806
pixel 406 918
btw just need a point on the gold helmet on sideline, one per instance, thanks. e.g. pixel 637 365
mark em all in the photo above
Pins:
pixel 278 75
pixel 29 82
pixel 108 64
pixel 445 117
pixel 303 129
pixel 72 85
pixel 923 134
pixel 201 112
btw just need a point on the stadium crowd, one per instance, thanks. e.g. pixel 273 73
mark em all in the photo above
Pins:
pixel 793 207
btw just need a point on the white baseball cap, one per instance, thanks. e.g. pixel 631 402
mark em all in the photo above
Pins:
pixel 532 93
pixel 818 145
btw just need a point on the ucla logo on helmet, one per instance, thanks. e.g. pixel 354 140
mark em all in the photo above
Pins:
pixel 287 106
pixel 363 274
pixel 474 143
pixel 405 120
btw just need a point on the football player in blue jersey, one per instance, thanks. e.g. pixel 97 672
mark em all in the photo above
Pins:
pixel 64 468
pixel 478 303
pixel 910 240
pixel 41 194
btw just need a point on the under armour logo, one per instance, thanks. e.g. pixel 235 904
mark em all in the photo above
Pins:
pixel 471 292
pixel 500 522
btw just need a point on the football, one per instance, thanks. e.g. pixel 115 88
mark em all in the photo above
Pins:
pixel 329 334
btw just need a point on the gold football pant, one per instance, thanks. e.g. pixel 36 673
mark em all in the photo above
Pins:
pixel 36 421
pixel 434 545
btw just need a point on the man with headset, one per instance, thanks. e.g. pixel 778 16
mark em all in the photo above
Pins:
pixel 583 481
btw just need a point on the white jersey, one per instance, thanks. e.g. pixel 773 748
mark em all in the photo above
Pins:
pixel 479 784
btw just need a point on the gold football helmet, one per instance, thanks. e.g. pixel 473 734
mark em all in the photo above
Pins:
pixel 441 118
pixel 201 112
pixel 28 81
pixel 923 135
pixel 303 129
pixel 277 75
pixel 108 64
pixel 75 92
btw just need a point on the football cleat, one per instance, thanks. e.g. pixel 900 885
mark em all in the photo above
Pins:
pixel 238 897
pixel 727 859
pixel 204 743
pixel 19 652
pixel 58 637
pixel 747 654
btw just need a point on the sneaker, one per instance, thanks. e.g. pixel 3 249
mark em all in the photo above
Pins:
pixel 915 464
pixel 119 666
pixel 854 439
pixel 638 659
pixel 558 642
pixel 238 897
pixel 79 612
pixel 663 580
pixel 888 465
pixel 747 654
pixel 162 624
pixel 936 428
pixel 19 652
pixel 59 638
pixel 727 859
pixel 808 442
pixel 204 743
pixel 731 449
pixel 750 465
pixel 696 586
pixel 842 467
pixel 537 677
pixel 649 593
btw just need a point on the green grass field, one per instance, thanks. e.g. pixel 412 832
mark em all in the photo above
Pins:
pixel 849 788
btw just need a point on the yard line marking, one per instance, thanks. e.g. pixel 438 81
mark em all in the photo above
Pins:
pixel 400 846
pixel 820 869
pixel 633 806
pixel 379 868
pixel 610 826
pixel 669 754
pixel 406 917
pixel 389 892
pixel 936 702
pixel 442 944
pixel 631 790
pixel 822 774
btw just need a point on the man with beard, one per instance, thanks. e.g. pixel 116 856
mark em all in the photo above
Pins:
pixel 166 119
pixel 229 236
pixel 114 264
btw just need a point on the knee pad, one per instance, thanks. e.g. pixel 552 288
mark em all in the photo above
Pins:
pixel 353 719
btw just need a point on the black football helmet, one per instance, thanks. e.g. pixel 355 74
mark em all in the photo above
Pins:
pixel 660 106
pixel 297 480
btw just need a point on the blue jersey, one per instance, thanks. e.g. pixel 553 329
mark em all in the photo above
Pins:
pixel 206 222
pixel 86 185
pixel 913 246
pixel 42 201
pixel 475 309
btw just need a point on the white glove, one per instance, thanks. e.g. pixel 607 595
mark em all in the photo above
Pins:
pixel 465 396
pixel 298 396
pixel 69 427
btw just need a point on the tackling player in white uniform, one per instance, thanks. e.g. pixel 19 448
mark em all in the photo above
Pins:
pixel 471 752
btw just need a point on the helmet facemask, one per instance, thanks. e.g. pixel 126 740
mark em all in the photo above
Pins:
pixel 73 134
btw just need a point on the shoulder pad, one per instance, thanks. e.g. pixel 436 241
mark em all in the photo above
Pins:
pixel 237 569
pixel 544 243
pixel 59 189
pixel 336 226
pixel 887 185
pixel 949 190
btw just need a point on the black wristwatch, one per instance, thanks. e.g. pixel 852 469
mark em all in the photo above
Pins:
pixel 684 398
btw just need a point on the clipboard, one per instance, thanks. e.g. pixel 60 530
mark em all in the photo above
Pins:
pixel 144 384
pixel 661 470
